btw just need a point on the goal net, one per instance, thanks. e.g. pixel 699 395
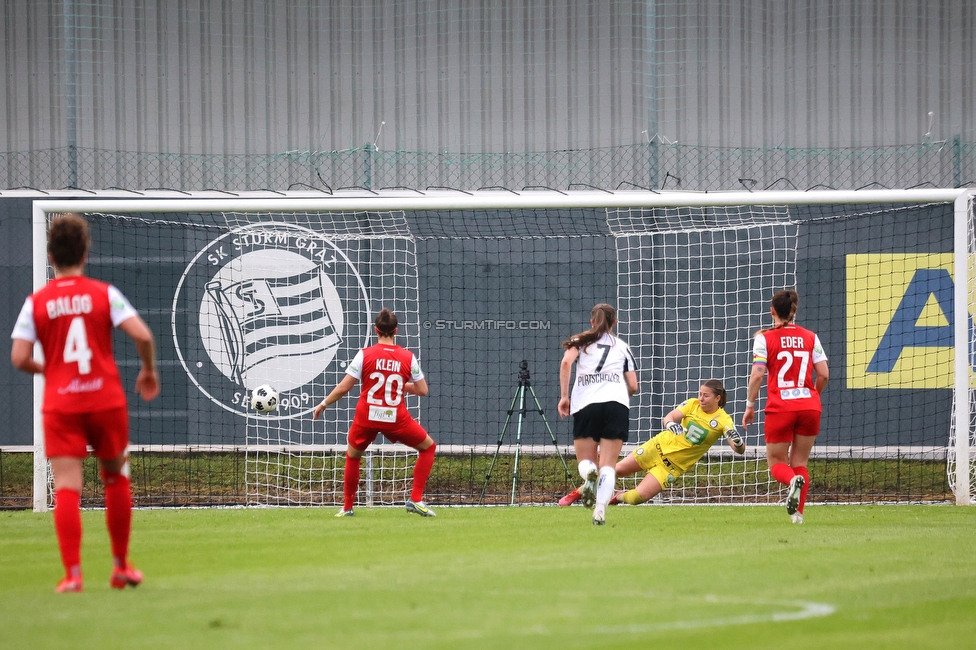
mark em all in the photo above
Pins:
pixel 246 291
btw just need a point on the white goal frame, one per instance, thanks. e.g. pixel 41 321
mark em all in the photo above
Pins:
pixel 961 199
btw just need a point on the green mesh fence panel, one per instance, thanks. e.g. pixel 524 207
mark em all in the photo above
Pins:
pixel 648 166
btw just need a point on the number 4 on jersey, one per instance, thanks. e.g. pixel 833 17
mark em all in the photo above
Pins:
pixel 76 348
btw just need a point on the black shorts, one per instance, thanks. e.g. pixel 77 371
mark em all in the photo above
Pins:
pixel 609 420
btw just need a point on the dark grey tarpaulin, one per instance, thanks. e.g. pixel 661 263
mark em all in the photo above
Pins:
pixel 493 287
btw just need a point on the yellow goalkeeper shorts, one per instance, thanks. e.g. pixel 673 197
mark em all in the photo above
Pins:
pixel 650 459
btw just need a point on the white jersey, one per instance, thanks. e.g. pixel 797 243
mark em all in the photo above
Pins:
pixel 600 370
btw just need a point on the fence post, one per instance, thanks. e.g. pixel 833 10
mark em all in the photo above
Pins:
pixel 71 91
pixel 368 148
pixel 654 165
pixel 957 161
pixel 652 72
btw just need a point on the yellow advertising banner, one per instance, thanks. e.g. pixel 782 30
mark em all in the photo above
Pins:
pixel 900 320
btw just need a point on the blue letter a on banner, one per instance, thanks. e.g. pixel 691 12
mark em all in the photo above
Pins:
pixel 903 331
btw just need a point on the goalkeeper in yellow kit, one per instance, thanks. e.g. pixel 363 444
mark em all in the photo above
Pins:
pixel 689 431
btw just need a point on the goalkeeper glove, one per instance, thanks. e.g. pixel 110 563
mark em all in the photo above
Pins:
pixel 675 428
pixel 733 436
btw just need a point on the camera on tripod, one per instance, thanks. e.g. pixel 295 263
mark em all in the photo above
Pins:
pixel 519 406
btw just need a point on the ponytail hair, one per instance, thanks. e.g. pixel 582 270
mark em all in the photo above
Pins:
pixel 604 317
pixel 386 322
pixel 718 388
pixel 784 303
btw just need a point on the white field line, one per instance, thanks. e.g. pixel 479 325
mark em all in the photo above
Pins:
pixel 804 610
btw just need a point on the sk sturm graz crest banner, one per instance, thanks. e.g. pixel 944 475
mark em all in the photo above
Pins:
pixel 269 303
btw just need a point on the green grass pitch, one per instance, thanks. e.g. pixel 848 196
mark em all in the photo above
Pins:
pixel 522 577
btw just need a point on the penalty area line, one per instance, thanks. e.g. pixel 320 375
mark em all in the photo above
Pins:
pixel 805 610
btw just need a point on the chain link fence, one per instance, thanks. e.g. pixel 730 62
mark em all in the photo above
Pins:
pixel 651 166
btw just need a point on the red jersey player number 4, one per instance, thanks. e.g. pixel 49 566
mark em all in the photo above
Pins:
pixel 84 404
pixel 387 372
pixel 73 319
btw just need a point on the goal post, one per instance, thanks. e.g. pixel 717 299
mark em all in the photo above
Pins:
pixel 963 439
pixel 486 279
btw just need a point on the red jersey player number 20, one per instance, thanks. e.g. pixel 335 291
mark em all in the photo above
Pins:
pixel 384 370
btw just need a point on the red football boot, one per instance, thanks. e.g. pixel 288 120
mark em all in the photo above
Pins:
pixel 570 498
pixel 69 585
pixel 121 578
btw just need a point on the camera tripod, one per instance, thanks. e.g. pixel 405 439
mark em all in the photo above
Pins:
pixel 519 399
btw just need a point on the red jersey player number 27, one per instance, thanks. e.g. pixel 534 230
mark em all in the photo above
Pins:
pixel 790 353
pixel 796 364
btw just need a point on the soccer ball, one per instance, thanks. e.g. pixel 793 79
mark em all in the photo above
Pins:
pixel 264 399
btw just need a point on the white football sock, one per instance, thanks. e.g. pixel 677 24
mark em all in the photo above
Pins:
pixel 585 466
pixel 606 485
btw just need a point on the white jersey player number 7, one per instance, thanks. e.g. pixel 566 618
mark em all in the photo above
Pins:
pixel 600 372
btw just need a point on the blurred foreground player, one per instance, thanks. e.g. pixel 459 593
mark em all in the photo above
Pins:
pixel 72 319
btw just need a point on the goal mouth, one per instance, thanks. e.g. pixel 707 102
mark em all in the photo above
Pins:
pixel 246 291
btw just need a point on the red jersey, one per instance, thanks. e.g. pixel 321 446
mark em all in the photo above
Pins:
pixel 72 318
pixel 789 353
pixel 383 370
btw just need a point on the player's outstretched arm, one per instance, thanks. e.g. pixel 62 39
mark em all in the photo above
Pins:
pixel 21 356
pixel 147 383
pixel 672 422
pixel 565 372
pixel 755 382
pixel 823 374
pixel 630 377
pixel 735 440
pixel 416 387
pixel 337 393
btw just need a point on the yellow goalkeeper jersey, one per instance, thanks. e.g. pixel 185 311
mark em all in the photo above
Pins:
pixel 701 431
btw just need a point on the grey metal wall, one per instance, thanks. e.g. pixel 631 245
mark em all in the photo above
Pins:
pixel 844 73
pixel 186 77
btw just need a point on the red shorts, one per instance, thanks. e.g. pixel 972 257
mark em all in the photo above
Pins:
pixel 68 434
pixel 782 426
pixel 408 432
